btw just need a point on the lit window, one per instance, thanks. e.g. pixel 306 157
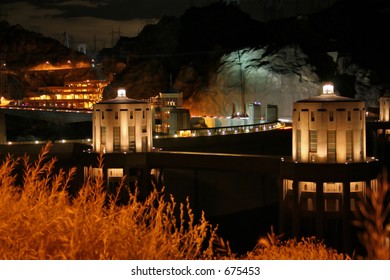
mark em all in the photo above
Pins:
pixel 116 138
pixel 115 172
pixel 131 138
pixel 349 145
pixel 331 145
pixel 313 141
pixel 298 144
pixel 103 135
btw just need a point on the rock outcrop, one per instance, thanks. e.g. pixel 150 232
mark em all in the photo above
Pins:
pixel 281 61
pixel 221 58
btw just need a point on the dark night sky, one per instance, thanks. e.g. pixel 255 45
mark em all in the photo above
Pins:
pixel 99 22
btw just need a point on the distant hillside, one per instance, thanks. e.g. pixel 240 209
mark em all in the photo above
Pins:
pixel 24 54
pixel 24 49
pixel 281 61
pixel 222 58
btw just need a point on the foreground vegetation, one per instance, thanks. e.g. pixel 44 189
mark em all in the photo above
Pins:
pixel 40 220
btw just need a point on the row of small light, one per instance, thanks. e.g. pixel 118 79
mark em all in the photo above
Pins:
pixel 62 141
pixel 263 127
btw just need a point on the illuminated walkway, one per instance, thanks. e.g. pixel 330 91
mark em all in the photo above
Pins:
pixel 227 130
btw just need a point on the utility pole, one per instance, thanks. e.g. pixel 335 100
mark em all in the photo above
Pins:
pixel 242 82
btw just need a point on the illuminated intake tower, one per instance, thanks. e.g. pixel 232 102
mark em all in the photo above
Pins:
pixel 122 124
pixel 384 117
pixel 384 113
pixel 328 172
pixel 122 131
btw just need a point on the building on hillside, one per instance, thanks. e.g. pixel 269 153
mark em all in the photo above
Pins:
pixel 254 112
pixel 329 171
pixel 179 120
pixel 73 95
pixel 271 113
pixel 168 114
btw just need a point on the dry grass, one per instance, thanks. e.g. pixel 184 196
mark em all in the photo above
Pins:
pixel 373 219
pixel 272 247
pixel 39 220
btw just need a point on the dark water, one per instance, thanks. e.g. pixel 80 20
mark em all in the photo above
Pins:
pixel 24 129
pixel 244 229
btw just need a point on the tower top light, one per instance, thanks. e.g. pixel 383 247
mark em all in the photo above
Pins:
pixel 121 92
pixel 328 89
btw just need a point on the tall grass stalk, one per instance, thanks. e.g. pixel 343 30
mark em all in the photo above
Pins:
pixel 373 219
pixel 272 247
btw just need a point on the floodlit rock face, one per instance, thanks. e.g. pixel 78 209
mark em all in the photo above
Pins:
pixel 247 76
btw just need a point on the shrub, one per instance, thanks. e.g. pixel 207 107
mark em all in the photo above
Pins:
pixel 39 220
pixel 272 247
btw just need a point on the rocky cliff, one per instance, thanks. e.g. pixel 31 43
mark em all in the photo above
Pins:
pixel 222 59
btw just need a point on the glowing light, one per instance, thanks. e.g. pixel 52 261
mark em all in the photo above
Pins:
pixel 121 92
pixel 328 89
